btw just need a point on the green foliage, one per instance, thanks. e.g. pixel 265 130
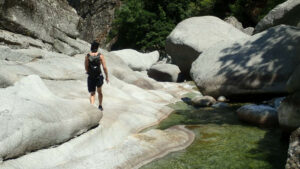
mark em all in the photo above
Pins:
pixel 144 25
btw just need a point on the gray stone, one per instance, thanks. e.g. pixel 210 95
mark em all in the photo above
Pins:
pixel 203 101
pixel 249 30
pixel 118 68
pixel 234 22
pixel 7 78
pixel 293 159
pixel 287 13
pixel 11 55
pixel 59 67
pixel 64 48
pixel 38 19
pixel 19 41
pixel 293 84
pixel 192 36
pixel 96 19
pixel 259 65
pixel 164 72
pixel 289 112
pixel 32 118
pixel 258 114
pixel 136 60
pixel 76 44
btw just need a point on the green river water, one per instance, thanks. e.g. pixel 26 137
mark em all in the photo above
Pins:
pixel 222 141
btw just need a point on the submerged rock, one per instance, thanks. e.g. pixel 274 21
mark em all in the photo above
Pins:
pixel 203 101
pixel 220 105
pixel 258 114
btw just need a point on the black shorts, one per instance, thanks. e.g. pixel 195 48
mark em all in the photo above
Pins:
pixel 94 82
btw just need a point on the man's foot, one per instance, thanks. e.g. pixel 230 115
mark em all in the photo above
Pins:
pixel 100 108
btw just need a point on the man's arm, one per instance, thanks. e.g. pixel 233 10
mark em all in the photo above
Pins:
pixel 104 67
pixel 86 64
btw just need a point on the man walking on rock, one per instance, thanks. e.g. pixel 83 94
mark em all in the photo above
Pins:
pixel 93 61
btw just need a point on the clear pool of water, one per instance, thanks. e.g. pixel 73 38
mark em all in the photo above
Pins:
pixel 222 141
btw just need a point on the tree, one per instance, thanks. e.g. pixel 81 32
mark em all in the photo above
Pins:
pixel 144 25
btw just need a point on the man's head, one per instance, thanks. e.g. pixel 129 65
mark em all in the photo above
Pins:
pixel 94 46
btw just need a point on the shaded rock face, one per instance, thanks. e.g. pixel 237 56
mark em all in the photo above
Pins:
pixel 51 25
pixel 192 36
pixel 293 84
pixel 289 109
pixel 96 18
pixel 39 19
pixel 164 72
pixel 287 13
pixel 259 65
pixel 293 160
pixel 258 114
pixel 289 112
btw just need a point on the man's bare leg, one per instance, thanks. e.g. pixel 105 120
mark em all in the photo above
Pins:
pixel 92 98
pixel 100 96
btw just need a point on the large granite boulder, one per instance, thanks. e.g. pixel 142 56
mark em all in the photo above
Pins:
pixel 258 114
pixel 192 36
pixel 287 13
pixel 164 72
pixel 259 65
pixel 39 19
pixel 53 22
pixel 118 68
pixel 32 118
pixel 136 60
pixel 289 109
pixel 289 116
pixel 293 159
pixel 293 84
pixel 289 112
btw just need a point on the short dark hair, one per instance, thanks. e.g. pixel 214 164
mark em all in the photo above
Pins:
pixel 94 46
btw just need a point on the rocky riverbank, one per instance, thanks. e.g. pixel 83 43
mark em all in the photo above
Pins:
pixel 45 113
